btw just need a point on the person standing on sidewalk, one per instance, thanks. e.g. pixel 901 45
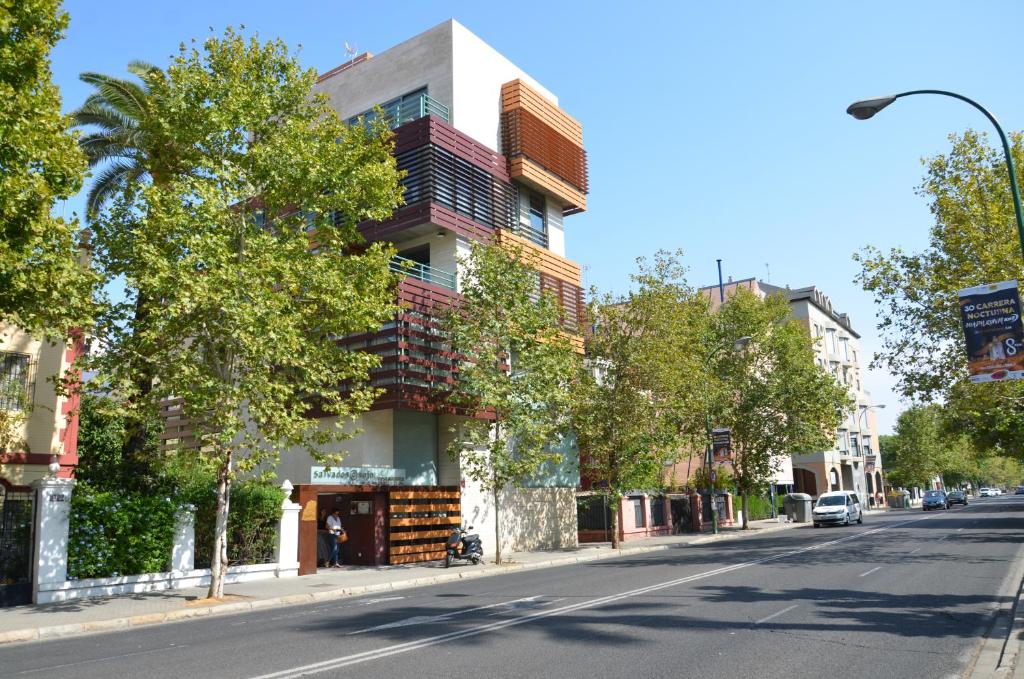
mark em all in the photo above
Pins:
pixel 335 528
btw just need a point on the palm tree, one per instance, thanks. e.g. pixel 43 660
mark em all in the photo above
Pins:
pixel 119 144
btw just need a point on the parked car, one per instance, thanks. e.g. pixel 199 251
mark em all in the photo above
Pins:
pixel 837 507
pixel 986 492
pixel 957 497
pixel 934 499
pixel 1019 491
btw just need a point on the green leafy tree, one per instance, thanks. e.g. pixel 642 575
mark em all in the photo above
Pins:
pixel 255 259
pixel 973 241
pixel 516 367
pixel 770 393
pixel 634 398
pixel 915 454
pixel 43 287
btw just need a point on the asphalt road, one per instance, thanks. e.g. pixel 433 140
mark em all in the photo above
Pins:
pixel 908 594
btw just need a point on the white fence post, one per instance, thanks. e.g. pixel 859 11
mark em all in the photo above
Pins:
pixel 287 551
pixel 53 512
pixel 183 555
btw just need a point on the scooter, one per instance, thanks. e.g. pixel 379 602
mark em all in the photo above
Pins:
pixel 463 546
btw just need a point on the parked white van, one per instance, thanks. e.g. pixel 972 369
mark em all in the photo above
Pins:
pixel 837 507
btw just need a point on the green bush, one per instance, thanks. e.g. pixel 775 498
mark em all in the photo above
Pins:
pixel 253 517
pixel 759 507
pixel 115 533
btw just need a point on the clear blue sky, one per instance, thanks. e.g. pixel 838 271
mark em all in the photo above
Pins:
pixel 718 128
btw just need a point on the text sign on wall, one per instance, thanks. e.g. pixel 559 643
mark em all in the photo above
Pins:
pixel 993 331
pixel 357 476
pixel 721 443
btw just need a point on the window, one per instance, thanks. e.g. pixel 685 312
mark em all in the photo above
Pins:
pixel 639 518
pixel 13 381
pixel 538 213
pixel 846 348
pixel 833 348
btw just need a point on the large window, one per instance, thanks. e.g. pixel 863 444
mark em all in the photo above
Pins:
pixel 538 214
pixel 13 381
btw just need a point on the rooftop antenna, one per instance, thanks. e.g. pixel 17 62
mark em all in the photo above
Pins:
pixel 350 51
pixel 767 273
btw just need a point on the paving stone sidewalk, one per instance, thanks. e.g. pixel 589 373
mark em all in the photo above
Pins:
pixel 85 616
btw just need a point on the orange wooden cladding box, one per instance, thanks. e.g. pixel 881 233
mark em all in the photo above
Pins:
pixel 421 538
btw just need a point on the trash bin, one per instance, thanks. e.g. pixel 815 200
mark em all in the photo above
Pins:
pixel 899 499
pixel 798 507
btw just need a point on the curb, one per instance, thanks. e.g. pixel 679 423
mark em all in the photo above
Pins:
pixel 998 653
pixel 147 619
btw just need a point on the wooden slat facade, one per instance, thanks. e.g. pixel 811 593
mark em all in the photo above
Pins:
pixel 536 177
pixel 420 521
pixel 517 94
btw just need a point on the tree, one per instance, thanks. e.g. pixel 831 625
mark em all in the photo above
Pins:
pixel 123 140
pixel 915 454
pixel 43 287
pixel 633 398
pixel 117 117
pixel 973 241
pixel 770 393
pixel 515 369
pixel 255 260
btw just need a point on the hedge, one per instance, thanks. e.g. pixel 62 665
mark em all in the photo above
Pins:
pixel 115 533
pixel 253 518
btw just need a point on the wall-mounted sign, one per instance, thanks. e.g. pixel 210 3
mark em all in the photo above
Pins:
pixel 357 476
pixel 993 331
pixel 721 444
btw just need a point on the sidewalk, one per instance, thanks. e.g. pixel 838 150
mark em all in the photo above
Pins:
pixel 86 616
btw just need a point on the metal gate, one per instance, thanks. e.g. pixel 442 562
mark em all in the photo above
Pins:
pixel 16 547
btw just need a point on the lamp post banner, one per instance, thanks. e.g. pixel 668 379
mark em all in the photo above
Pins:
pixel 993 331
pixel 721 444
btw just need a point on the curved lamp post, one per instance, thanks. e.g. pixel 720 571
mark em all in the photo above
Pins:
pixel 867 108
pixel 737 346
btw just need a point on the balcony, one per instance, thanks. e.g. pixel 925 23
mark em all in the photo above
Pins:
pixel 423 272
pixel 404 109
pixel 535 237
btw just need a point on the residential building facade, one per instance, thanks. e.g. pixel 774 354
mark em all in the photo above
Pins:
pixel 854 462
pixel 39 443
pixel 488 156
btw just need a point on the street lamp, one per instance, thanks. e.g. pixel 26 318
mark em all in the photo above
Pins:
pixel 866 108
pixel 861 421
pixel 737 346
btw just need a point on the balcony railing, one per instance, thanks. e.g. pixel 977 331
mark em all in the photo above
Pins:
pixel 423 272
pixel 531 235
pixel 405 109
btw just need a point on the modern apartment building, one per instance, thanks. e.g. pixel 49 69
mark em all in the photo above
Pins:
pixel 854 462
pixel 39 444
pixel 489 156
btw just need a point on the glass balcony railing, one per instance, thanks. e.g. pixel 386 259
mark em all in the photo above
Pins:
pixel 406 108
pixel 423 272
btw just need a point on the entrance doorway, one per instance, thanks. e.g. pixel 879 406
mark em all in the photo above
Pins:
pixel 363 517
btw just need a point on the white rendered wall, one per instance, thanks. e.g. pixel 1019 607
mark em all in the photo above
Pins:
pixel 479 73
pixel 556 230
pixel 373 447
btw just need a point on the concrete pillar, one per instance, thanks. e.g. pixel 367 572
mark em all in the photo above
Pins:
pixel 183 555
pixel 287 551
pixel 53 511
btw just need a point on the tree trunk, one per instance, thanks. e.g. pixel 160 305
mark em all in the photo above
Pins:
pixel 219 565
pixel 137 426
pixel 745 502
pixel 497 528
pixel 616 508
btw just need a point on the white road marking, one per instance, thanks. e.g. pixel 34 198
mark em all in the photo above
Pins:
pixel 369 602
pixel 959 529
pixel 377 654
pixel 916 549
pixel 876 568
pixel 776 614
pixel 172 647
pixel 442 617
